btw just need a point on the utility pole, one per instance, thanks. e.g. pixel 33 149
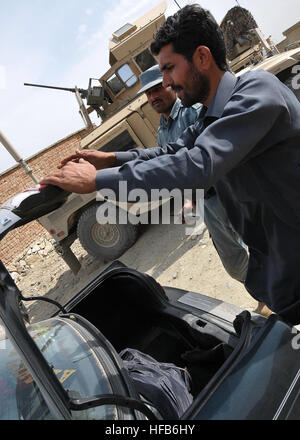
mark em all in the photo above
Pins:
pixel 5 142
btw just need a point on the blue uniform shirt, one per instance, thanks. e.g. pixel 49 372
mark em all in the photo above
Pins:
pixel 180 118
pixel 247 145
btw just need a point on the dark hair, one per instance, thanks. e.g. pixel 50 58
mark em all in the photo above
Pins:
pixel 190 27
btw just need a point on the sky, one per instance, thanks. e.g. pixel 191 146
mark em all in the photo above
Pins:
pixel 64 43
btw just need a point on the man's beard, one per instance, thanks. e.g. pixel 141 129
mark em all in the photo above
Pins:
pixel 199 84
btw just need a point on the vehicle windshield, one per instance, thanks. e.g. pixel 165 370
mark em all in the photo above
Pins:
pixel 75 364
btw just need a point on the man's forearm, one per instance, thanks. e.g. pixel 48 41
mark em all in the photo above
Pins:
pixel 136 153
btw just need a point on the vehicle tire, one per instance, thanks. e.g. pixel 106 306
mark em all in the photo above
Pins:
pixel 107 241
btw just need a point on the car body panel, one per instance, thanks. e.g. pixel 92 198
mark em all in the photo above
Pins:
pixel 266 374
pixel 262 371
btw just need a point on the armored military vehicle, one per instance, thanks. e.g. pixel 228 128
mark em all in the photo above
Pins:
pixel 248 49
pixel 128 121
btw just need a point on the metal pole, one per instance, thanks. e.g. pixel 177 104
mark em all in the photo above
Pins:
pixel 5 142
pixel 83 110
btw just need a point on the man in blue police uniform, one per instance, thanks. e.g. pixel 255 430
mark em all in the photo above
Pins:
pixel 245 144
pixel 174 117
pixel 173 121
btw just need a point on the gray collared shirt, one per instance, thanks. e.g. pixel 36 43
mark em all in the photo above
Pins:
pixel 180 118
pixel 246 145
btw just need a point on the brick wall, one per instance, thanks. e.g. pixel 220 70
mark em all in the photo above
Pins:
pixel 15 180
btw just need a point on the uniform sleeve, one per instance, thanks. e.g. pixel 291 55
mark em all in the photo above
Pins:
pixel 198 161
pixel 122 157
pixel 189 118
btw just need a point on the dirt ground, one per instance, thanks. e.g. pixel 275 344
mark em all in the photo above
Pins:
pixel 163 251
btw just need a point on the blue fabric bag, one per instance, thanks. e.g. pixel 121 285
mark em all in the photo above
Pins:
pixel 165 385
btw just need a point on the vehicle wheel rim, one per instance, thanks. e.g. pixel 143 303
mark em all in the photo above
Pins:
pixel 105 235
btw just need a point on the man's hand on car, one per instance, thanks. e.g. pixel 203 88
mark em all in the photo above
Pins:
pixel 99 159
pixel 78 177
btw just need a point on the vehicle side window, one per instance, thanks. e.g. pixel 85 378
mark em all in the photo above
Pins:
pixel 145 60
pixel 115 84
pixel 127 75
pixel 122 142
pixel 107 97
pixel 123 77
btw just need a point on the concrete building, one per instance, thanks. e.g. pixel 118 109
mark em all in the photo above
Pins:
pixel 292 36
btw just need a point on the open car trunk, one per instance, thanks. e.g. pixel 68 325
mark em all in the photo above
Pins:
pixel 133 311
pixel 76 366
pixel 72 365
